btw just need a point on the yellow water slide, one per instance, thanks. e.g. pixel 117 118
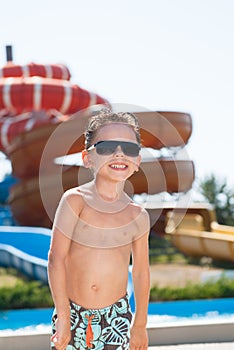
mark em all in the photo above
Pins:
pixel 197 233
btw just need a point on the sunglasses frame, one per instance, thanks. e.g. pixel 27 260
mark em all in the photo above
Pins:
pixel 118 143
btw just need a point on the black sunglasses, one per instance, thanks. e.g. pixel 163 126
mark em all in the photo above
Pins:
pixel 108 147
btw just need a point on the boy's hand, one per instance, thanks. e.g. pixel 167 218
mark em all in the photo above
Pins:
pixel 62 335
pixel 138 338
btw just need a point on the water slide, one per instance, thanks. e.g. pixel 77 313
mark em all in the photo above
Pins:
pixel 25 249
pixel 195 231
pixel 217 244
pixel 43 116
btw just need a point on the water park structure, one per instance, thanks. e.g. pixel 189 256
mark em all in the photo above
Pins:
pixel 42 118
pixel 41 111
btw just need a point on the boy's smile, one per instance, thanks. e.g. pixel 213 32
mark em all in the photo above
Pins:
pixel 118 166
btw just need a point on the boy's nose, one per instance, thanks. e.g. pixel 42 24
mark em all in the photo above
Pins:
pixel 119 151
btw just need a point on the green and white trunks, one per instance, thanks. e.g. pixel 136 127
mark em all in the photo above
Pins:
pixel 106 328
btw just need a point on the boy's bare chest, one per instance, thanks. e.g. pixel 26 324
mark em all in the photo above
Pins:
pixel 103 219
pixel 105 230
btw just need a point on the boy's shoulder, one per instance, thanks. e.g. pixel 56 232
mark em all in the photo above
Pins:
pixel 76 195
pixel 71 193
pixel 138 209
pixel 73 197
pixel 140 215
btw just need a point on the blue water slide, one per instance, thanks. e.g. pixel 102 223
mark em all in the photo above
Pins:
pixel 25 249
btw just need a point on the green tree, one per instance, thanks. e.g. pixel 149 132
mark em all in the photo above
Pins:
pixel 221 196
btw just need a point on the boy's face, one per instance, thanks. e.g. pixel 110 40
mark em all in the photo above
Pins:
pixel 116 166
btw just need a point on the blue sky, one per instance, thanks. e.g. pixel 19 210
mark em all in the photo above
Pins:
pixel 159 54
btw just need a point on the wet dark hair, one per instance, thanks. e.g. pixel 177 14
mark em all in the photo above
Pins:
pixel 105 117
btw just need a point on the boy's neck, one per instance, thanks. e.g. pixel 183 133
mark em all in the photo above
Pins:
pixel 105 198
pixel 108 190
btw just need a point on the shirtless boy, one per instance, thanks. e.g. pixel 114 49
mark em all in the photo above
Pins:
pixel 97 228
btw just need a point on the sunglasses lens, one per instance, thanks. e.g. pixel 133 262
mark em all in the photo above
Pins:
pixel 130 149
pixel 105 148
pixel 108 147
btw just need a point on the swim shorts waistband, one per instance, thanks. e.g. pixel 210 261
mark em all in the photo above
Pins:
pixel 102 309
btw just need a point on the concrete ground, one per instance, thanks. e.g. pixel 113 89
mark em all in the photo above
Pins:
pixel 210 346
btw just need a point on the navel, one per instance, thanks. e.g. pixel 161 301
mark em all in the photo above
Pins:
pixel 94 287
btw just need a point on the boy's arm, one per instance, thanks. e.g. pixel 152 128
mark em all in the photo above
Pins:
pixel 65 219
pixel 62 232
pixel 141 282
pixel 58 252
pixel 57 282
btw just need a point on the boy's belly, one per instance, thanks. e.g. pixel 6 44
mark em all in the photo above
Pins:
pixel 97 278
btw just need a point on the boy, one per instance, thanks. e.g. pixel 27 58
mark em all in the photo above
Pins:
pixel 96 229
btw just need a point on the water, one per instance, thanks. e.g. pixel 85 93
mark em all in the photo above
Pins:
pixel 221 310
pixel 214 310
pixel 25 319
pixel 193 308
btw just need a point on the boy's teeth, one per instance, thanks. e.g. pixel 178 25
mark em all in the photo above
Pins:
pixel 118 166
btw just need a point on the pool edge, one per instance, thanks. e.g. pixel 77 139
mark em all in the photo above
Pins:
pixel 161 334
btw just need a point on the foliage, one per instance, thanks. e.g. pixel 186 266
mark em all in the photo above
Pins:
pixel 223 288
pixel 218 193
pixel 161 250
pixel 25 294
pixel 32 294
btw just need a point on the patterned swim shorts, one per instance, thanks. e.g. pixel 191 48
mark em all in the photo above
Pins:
pixel 106 328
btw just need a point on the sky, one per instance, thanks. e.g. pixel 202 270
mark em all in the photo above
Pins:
pixel 174 55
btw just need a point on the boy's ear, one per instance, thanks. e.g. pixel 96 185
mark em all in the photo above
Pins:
pixel 138 162
pixel 86 159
